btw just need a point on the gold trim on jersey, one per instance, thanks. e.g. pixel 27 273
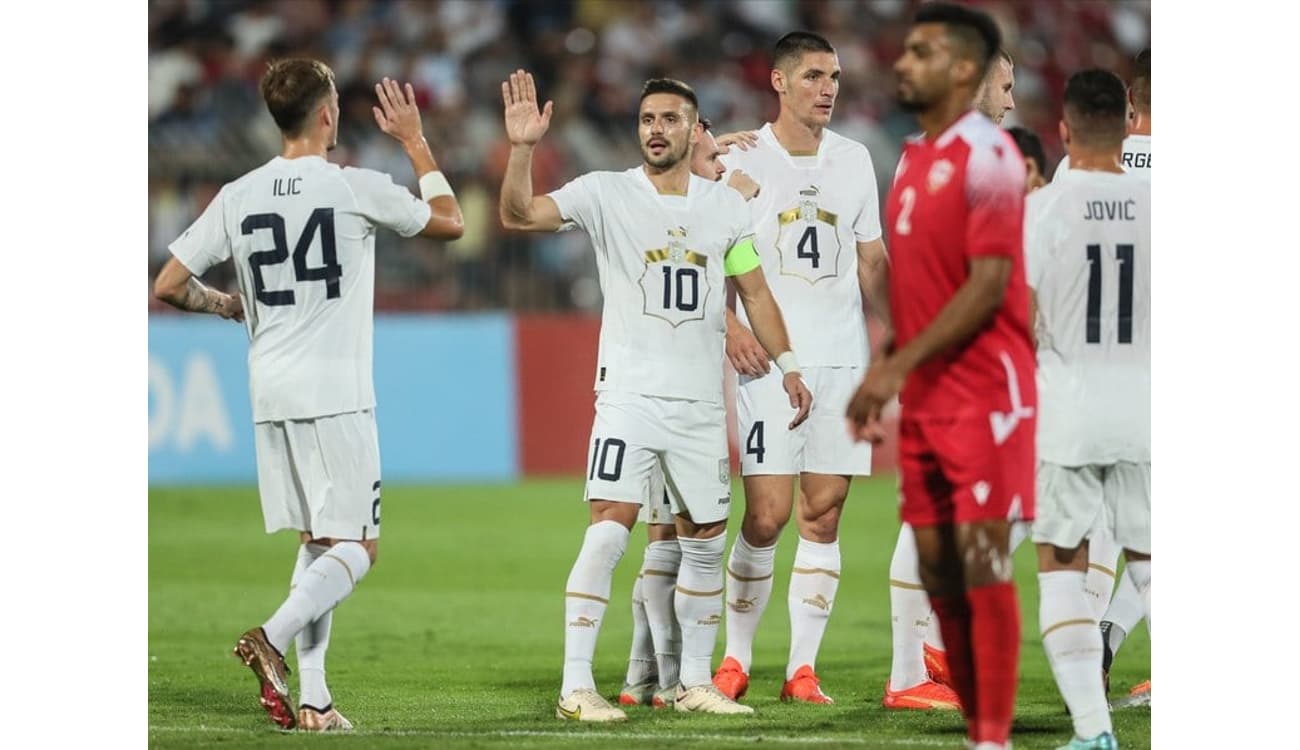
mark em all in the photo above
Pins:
pixel 661 254
pixel 785 217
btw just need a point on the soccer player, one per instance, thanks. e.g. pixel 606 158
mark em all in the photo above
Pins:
pixel 1031 148
pixel 653 665
pixel 310 325
pixel 918 672
pixel 665 243
pixel 818 226
pixel 963 358
pixel 1120 614
pixel 1088 262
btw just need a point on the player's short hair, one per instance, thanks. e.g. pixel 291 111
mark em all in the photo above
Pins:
pixel 791 47
pixel 671 86
pixel 1031 147
pixel 292 90
pixel 1096 107
pixel 975 33
pixel 1141 83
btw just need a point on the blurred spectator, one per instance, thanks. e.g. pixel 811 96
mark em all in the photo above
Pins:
pixel 207 123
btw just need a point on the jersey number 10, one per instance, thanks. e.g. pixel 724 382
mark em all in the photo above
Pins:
pixel 321 219
pixel 1124 254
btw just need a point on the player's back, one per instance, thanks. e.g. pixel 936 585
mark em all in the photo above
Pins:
pixel 1088 259
pixel 301 235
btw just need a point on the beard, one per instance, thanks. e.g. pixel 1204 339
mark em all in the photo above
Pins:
pixel 668 159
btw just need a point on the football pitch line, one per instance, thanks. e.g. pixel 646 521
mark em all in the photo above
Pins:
pixel 590 735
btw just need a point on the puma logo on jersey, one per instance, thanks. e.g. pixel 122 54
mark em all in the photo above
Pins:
pixel 584 622
pixel 818 601
pixel 1004 423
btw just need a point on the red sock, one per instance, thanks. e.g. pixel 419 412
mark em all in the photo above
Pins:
pixel 954 615
pixel 995 641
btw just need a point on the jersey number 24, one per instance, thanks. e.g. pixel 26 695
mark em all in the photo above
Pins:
pixel 322 221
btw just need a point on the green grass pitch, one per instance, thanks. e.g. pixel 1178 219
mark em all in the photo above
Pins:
pixel 455 638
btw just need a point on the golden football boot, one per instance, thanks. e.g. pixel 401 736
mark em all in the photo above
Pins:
pixel 268 666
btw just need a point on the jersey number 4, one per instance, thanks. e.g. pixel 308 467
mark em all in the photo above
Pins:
pixel 1124 254
pixel 322 220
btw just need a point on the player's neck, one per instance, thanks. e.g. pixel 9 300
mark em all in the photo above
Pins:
pixel 942 115
pixel 296 147
pixel 1092 160
pixel 671 181
pixel 797 138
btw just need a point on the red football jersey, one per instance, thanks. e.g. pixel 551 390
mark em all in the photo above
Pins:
pixel 954 198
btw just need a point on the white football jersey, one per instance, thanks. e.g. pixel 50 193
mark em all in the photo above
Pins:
pixel 660 260
pixel 1088 260
pixel 302 235
pixel 1136 157
pixel 809 215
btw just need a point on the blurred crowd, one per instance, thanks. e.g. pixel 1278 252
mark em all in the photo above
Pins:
pixel 207 123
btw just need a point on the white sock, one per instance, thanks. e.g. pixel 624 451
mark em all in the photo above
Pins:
pixel 662 566
pixel 1073 645
pixel 320 588
pixel 312 641
pixel 1103 561
pixel 910 609
pixel 749 587
pixel 1126 609
pixel 1140 572
pixel 698 602
pixel 813 582
pixel 586 595
pixel 641 662
pixel 933 635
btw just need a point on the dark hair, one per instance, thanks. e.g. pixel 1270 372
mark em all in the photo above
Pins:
pixel 795 44
pixel 1031 147
pixel 976 34
pixel 292 90
pixel 671 86
pixel 1141 82
pixel 1095 108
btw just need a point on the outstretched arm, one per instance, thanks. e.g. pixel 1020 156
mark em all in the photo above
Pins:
pixel 525 126
pixel 398 116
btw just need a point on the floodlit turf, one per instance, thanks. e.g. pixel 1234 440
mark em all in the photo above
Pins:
pixel 455 639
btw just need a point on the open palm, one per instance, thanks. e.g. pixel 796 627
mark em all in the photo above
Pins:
pixel 525 125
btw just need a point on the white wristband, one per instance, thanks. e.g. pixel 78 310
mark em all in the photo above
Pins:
pixel 787 363
pixel 433 185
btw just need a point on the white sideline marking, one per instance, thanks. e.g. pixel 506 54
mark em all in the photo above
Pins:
pixel 594 735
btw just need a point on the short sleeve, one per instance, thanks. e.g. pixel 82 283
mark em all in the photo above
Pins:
pixel 206 243
pixel 577 203
pixel 387 204
pixel 867 226
pixel 995 198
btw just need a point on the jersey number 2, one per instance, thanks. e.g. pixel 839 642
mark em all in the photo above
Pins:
pixel 1124 254
pixel 322 220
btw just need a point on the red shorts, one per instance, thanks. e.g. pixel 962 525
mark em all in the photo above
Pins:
pixel 951 470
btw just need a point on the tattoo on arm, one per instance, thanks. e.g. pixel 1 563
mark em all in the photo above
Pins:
pixel 201 298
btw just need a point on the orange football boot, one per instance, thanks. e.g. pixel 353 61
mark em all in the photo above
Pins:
pixel 927 696
pixel 731 679
pixel 805 687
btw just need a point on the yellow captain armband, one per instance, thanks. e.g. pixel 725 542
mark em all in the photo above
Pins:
pixel 741 258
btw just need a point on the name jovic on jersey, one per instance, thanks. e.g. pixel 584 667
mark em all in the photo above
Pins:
pixel 302 235
pixel 809 215
pixel 1088 259
pixel 662 262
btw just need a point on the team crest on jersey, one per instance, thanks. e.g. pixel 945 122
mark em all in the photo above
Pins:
pixel 808 203
pixel 940 173
pixel 807 238
pixel 675 286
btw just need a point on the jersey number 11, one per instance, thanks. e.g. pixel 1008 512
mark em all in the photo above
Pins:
pixel 1124 254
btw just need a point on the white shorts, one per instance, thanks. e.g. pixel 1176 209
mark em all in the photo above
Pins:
pixel 1075 502
pixel 634 434
pixel 320 475
pixel 660 507
pixel 821 445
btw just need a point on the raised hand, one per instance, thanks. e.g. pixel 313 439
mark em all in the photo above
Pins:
pixel 525 125
pixel 741 139
pixel 397 114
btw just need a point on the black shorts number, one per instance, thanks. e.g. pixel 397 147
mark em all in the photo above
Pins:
pixel 754 443
pixel 600 459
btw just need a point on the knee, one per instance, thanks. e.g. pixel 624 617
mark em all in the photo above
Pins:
pixel 763 529
pixel 372 550
pixel 819 519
